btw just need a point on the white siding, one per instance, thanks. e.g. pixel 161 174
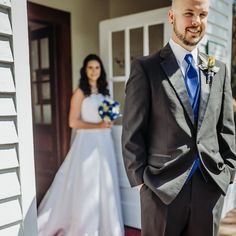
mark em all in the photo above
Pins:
pixel 219 29
pixel 16 205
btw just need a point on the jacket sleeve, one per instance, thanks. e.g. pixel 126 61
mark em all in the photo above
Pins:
pixel 226 128
pixel 135 124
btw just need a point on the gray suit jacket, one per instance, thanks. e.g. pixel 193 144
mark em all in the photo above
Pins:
pixel 160 139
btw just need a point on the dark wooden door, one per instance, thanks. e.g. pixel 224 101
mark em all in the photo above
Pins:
pixel 51 86
pixel 44 105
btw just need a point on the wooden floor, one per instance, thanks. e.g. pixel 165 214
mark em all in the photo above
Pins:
pixel 228 224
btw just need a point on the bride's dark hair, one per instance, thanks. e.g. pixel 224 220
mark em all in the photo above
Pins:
pixel 101 82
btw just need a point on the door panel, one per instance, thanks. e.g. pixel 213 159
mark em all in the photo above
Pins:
pixel 44 105
pixel 121 41
pixel 51 83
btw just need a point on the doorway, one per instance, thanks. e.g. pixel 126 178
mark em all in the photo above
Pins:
pixel 51 86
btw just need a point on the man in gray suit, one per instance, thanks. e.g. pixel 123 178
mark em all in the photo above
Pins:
pixel 178 135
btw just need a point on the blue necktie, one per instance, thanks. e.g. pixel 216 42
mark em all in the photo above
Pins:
pixel 193 88
pixel 192 84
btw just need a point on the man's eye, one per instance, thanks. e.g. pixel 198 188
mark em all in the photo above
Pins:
pixel 203 15
pixel 188 14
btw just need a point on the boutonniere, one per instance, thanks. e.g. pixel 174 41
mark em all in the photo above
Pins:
pixel 209 68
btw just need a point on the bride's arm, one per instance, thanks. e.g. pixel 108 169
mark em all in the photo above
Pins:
pixel 75 111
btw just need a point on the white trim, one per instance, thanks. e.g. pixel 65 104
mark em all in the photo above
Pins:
pixel 145 40
pixel 24 116
pixel 119 78
pixel 127 52
pixel 230 38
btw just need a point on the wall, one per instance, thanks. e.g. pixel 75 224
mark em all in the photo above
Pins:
pixel 233 67
pixel 219 30
pixel 126 7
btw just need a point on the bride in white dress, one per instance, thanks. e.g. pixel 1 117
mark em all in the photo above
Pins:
pixel 230 199
pixel 84 198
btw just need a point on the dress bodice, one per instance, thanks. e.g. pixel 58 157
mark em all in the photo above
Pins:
pixel 89 108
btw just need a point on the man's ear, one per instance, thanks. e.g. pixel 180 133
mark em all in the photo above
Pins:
pixel 171 16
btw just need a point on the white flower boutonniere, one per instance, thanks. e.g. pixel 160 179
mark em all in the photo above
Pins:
pixel 209 68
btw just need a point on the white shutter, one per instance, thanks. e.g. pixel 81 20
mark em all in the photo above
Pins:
pixel 5 3
pixel 8 158
pixel 17 206
pixel 6 79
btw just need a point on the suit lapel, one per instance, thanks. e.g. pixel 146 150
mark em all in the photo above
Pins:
pixel 176 79
pixel 205 91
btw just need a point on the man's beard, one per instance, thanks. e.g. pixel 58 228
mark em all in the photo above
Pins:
pixel 183 38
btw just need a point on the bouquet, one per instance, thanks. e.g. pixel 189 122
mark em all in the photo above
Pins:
pixel 109 110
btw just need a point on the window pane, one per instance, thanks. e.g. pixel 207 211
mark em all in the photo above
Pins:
pixel 34 55
pixel 34 93
pixel 136 43
pixel 47 114
pixel 156 37
pixel 45 77
pixel 118 53
pixel 44 53
pixel 33 76
pixel 119 95
pixel 46 91
pixel 37 114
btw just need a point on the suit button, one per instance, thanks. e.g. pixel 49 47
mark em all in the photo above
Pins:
pixel 198 141
pixel 220 165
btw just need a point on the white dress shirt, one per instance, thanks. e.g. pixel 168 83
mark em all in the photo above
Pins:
pixel 180 53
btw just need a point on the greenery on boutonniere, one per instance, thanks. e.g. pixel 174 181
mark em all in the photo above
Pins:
pixel 208 67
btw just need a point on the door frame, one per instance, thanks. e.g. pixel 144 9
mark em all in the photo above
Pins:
pixel 61 20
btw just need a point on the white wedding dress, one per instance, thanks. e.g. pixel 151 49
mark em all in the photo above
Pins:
pixel 230 199
pixel 84 198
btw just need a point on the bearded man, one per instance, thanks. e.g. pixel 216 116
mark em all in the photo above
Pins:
pixel 178 135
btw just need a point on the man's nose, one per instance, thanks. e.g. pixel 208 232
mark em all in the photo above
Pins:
pixel 196 21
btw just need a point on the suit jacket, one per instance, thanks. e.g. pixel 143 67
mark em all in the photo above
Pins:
pixel 160 139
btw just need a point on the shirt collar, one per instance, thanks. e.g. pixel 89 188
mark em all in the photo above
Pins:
pixel 180 52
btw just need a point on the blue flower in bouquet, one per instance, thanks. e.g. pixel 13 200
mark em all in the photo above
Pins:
pixel 109 110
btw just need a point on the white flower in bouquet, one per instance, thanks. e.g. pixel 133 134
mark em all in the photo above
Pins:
pixel 109 110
